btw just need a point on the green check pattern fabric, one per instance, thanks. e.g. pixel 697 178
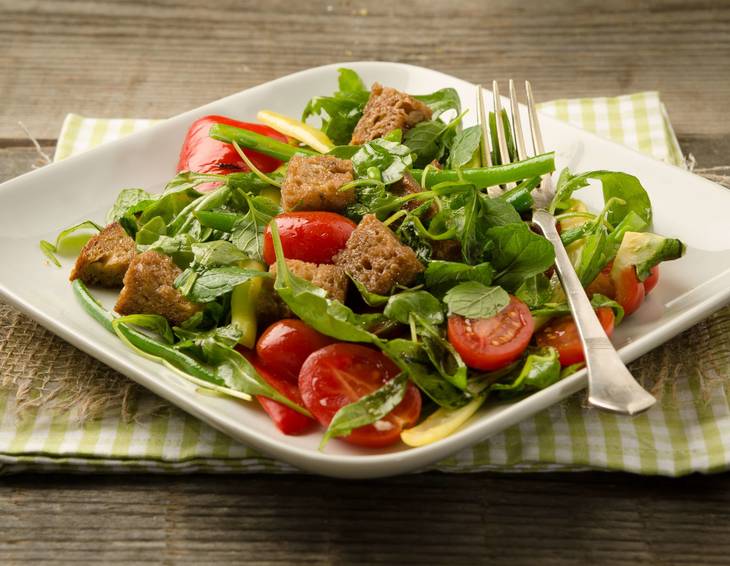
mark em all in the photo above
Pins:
pixel 688 431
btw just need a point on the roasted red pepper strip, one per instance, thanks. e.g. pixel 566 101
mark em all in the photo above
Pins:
pixel 286 420
pixel 202 154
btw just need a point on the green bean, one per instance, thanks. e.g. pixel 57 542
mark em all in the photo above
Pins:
pixel 252 140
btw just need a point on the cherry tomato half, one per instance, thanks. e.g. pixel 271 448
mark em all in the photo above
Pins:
pixel 286 419
pixel 203 154
pixel 603 284
pixel 562 334
pixel 309 236
pixel 630 291
pixel 651 281
pixel 340 374
pixel 489 344
pixel 284 346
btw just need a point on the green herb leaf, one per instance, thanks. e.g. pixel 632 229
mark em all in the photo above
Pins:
pixel 441 101
pixel 129 201
pixel 368 409
pixel 442 354
pixel 517 253
pixel 443 275
pixel 217 253
pixel 534 291
pixel 463 147
pixel 248 231
pixel 474 300
pixel 400 307
pixel 541 370
pixel 371 299
pixel 217 281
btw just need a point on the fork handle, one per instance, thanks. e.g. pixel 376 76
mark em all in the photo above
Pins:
pixel 610 384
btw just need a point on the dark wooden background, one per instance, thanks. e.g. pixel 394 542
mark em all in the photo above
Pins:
pixel 154 59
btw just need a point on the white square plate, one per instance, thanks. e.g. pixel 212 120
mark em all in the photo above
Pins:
pixel 37 205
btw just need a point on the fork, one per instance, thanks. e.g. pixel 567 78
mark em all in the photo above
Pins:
pixel 610 384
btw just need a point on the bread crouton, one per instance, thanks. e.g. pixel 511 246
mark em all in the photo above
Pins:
pixel 329 277
pixel 388 109
pixel 105 257
pixel 149 289
pixel 312 183
pixel 377 259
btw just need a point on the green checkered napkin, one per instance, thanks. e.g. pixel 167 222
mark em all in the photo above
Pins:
pixel 689 431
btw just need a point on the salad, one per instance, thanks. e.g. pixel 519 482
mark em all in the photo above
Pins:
pixel 367 277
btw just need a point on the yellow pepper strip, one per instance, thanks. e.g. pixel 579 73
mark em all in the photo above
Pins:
pixel 296 129
pixel 440 424
pixel 243 305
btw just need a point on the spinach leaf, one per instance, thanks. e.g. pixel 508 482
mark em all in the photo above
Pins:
pixel 474 300
pixel 615 185
pixel 179 248
pixel 150 232
pixel 463 147
pixel 442 354
pixel 390 158
pixel 441 101
pixel 498 212
pixel 168 206
pixel 310 303
pixel 541 370
pixel 400 307
pixel 129 201
pixel 410 357
pixel 67 242
pixel 442 275
pixel 517 253
pixel 211 283
pixel 340 112
pixel 597 301
pixel 368 409
pixel 217 253
pixel 535 291
pixel 371 299
pixel 467 220
pixel 424 139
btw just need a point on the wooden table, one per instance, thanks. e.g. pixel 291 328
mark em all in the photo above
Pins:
pixel 133 58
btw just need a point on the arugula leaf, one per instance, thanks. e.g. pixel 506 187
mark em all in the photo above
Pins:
pixel 463 147
pixel 424 139
pixel 390 158
pixel 517 253
pixel 498 212
pixel 400 307
pixel 442 354
pixel 464 214
pixel 373 198
pixel 442 275
pixel 168 206
pixel 541 370
pixel 474 300
pixel 409 235
pixel 248 231
pixel 340 112
pixel 410 357
pixel 597 301
pixel 368 409
pixel 590 255
pixel 179 248
pixel 441 101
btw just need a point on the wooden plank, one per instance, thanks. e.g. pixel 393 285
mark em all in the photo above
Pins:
pixel 431 518
pixel 141 59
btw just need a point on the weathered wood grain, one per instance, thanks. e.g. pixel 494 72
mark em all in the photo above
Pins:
pixel 155 59
pixel 426 519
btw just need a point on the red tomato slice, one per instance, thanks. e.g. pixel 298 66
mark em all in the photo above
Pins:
pixel 340 374
pixel 284 346
pixel 309 236
pixel 562 334
pixel 630 291
pixel 651 281
pixel 489 344
pixel 603 284
pixel 203 154
pixel 286 419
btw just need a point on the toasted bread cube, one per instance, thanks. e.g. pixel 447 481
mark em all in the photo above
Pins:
pixel 313 183
pixel 377 259
pixel 105 257
pixel 149 289
pixel 388 109
pixel 329 277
